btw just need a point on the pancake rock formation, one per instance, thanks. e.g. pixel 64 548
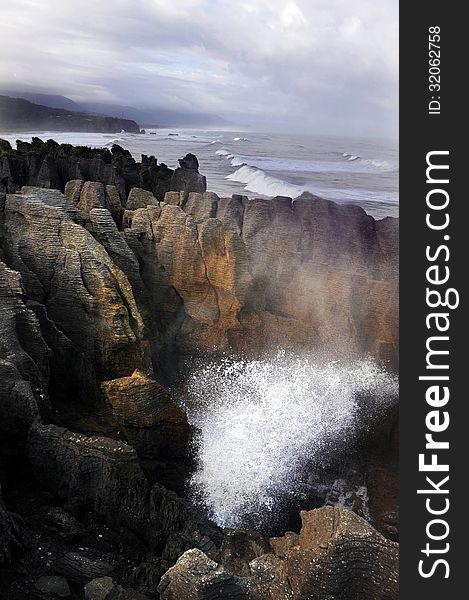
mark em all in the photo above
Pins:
pixel 106 292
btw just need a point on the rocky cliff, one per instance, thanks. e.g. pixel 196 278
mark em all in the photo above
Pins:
pixel 253 275
pixel 52 165
pixel 106 292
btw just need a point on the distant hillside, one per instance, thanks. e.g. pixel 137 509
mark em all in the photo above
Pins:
pixel 20 114
pixel 50 100
pixel 155 116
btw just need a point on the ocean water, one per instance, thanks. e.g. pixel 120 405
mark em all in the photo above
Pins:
pixel 263 423
pixel 346 170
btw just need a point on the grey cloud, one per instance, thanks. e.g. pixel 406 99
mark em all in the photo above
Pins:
pixel 306 65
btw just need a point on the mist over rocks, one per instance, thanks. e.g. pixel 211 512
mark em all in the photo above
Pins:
pixel 253 275
pixel 19 113
pixel 107 291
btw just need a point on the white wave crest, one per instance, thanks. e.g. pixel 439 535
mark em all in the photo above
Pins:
pixel 257 181
pixel 262 421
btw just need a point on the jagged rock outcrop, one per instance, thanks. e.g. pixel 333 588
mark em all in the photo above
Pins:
pixel 52 165
pixel 336 555
pixel 139 198
pixel 105 476
pixel 24 369
pixel 100 297
pixel 253 275
pixel 187 177
pixel 80 288
pixel 153 424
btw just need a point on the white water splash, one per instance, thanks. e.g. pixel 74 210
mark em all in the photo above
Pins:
pixel 261 421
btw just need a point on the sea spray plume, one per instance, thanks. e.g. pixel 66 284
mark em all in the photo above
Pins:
pixel 260 422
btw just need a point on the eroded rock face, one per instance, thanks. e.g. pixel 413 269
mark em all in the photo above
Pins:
pixel 336 555
pixel 80 288
pixel 154 425
pixel 24 368
pixel 92 315
pixel 139 198
pixel 254 275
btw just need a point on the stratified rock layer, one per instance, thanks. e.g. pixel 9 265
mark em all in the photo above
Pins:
pixel 255 275
pixel 104 293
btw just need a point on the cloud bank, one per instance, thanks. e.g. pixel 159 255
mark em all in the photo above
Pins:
pixel 312 66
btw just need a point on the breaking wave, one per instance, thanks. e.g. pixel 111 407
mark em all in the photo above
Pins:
pixel 262 422
pixel 257 181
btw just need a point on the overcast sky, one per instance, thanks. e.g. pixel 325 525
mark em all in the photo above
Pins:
pixel 312 66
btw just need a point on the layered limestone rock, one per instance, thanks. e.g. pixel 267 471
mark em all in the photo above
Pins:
pixel 143 409
pixel 139 198
pixel 24 368
pixel 254 275
pixel 336 555
pixel 80 289
pixel 96 304
pixel 105 476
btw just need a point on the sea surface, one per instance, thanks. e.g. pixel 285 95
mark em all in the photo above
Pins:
pixel 346 170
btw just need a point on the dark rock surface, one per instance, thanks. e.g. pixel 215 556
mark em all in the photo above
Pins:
pixel 50 165
pixel 336 555
pixel 51 586
pixel 99 306
pixel 12 533
pixel 187 177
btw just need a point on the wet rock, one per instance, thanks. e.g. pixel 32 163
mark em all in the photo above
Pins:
pixel 81 568
pixel 98 589
pixel 196 577
pixel 52 586
pixel 336 555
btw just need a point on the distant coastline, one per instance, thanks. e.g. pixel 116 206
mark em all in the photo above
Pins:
pixel 19 114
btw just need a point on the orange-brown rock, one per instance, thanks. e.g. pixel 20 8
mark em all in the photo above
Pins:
pixel 153 424
pixel 139 198
pixel 254 275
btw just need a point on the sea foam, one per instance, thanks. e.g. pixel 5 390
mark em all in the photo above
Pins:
pixel 260 422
